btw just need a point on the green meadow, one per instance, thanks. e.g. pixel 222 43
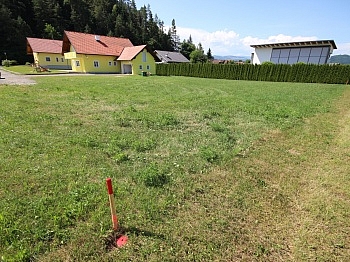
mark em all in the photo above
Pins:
pixel 202 169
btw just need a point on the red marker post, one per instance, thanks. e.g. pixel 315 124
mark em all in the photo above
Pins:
pixel 121 239
pixel 112 204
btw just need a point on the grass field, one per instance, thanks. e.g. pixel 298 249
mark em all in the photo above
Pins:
pixel 29 70
pixel 203 169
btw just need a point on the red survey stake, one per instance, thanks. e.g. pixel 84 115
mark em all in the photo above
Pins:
pixel 112 204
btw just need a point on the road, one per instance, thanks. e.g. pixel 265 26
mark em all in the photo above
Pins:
pixel 8 78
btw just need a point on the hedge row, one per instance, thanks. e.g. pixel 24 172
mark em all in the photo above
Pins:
pixel 303 73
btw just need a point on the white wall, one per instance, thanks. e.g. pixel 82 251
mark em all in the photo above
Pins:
pixel 261 55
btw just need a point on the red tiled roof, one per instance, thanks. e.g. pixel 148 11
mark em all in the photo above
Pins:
pixel 37 45
pixel 129 53
pixel 94 44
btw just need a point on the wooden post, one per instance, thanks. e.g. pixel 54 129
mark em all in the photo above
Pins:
pixel 112 204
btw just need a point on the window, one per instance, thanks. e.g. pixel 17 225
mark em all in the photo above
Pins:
pixel 141 67
pixel 110 63
pixel 77 63
pixel 115 63
pixel 48 59
pixel 285 53
pixel 57 59
pixel 144 55
pixel 62 59
pixel 148 67
pixel 312 55
pixel 96 64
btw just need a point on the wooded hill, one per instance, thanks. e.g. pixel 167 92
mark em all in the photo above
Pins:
pixel 49 18
pixel 340 59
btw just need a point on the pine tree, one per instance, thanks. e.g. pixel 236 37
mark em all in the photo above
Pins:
pixel 209 55
pixel 175 39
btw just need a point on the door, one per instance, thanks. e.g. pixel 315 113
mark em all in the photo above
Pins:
pixel 127 69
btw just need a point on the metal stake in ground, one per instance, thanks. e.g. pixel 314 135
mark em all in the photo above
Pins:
pixel 120 239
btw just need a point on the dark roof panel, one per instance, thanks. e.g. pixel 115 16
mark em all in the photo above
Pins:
pixel 171 57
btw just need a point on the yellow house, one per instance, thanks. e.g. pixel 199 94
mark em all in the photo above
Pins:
pixel 47 53
pixel 104 54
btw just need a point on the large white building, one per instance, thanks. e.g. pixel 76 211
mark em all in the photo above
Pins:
pixel 309 52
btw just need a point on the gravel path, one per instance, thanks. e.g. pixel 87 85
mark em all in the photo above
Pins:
pixel 8 78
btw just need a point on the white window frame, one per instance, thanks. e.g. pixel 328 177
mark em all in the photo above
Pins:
pixel 47 59
pixel 77 63
pixel 96 64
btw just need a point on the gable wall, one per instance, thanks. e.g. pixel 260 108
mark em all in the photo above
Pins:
pixel 261 55
pixel 139 66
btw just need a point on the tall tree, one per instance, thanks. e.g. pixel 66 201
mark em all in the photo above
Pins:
pixel 198 55
pixel 209 55
pixel 187 47
pixel 175 39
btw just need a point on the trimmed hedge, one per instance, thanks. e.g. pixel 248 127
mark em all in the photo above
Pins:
pixel 303 73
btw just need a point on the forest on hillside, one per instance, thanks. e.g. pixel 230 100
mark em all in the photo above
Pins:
pixel 49 18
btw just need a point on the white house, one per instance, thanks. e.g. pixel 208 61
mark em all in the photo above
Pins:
pixel 309 52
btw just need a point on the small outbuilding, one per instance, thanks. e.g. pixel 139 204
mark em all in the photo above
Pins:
pixel 309 52
pixel 168 57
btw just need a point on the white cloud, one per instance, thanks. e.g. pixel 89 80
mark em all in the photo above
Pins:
pixel 222 42
pixel 343 49
pixel 247 41
pixel 228 42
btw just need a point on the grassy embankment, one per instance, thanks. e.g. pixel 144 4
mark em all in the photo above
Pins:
pixel 204 170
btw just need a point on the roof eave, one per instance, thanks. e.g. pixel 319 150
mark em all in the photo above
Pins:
pixel 297 44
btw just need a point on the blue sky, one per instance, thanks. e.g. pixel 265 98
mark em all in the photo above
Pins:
pixel 230 27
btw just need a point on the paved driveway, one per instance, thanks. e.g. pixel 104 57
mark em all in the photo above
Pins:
pixel 8 78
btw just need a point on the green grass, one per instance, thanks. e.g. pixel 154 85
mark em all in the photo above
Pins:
pixel 203 170
pixel 29 70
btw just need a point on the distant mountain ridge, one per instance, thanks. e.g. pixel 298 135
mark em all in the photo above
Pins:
pixel 340 59
pixel 231 57
pixel 337 59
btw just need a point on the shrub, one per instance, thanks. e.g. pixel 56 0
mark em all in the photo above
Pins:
pixel 5 63
pixel 267 63
pixel 8 63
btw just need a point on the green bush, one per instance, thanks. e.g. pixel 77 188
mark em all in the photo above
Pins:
pixel 8 63
pixel 5 63
pixel 267 63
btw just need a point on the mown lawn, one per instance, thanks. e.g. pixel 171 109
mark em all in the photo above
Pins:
pixel 203 169
pixel 29 70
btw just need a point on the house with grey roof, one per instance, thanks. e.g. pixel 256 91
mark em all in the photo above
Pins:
pixel 309 52
pixel 171 57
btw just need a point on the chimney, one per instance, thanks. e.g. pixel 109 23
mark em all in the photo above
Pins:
pixel 97 38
